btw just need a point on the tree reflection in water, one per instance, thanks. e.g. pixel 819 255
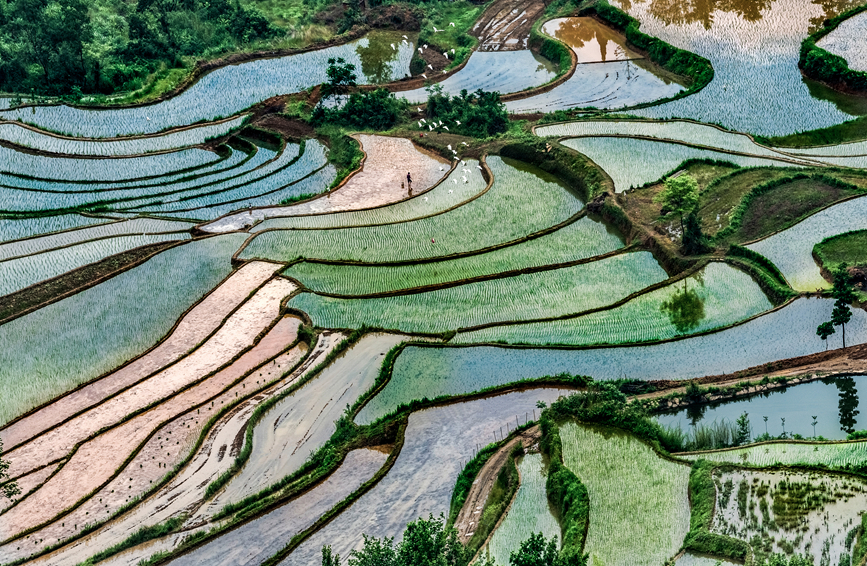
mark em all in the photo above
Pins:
pixel 678 12
pixel 848 403
pixel 685 309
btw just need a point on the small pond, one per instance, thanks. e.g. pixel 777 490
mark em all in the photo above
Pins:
pixel 834 402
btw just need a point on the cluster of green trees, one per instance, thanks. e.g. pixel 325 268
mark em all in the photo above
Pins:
pixel 429 542
pixel 61 47
pixel 479 114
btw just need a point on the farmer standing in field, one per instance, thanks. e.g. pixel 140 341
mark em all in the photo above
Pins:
pixel 409 182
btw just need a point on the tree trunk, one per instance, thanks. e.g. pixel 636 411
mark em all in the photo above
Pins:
pixel 844 334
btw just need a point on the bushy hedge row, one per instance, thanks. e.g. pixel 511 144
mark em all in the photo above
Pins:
pixel 702 497
pixel 572 167
pixel 823 66
pixel 558 53
pixel 824 261
pixel 566 493
pixel 766 274
pixel 678 61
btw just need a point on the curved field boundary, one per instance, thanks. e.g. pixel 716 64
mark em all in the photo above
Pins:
pixel 199 173
pixel 485 171
pixel 206 430
pixel 118 201
pixel 829 68
pixel 613 305
pixel 782 158
pixel 76 228
pixel 780 151
pixel 51 297
pixel 98 239
pixel 202 227
pixel 171 375
pixel 220 151
pixel 137 412
pixel 247 198
pixel 477 279
pixel 41 151
pixel 27 425
pixel 29 483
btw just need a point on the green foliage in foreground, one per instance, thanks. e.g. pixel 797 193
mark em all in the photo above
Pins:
pixel 566 493
pixel 425 541
pixel 429 542
pixel 10 488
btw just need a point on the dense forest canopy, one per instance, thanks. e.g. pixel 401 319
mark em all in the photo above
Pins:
pixel 103 46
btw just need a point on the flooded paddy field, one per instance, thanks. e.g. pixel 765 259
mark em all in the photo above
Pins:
pixel 241 323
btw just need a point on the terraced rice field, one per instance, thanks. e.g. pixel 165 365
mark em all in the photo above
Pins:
pixel 715 297
pixel 213 352
pixel 792 250
pixel 847 41
pixel 493 71
pixel 628 482
pixel 544 294
pixel 549 205
pixel 529 512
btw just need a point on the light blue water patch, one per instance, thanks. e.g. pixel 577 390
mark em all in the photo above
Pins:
pixel 600 85
pixel 757 86
pixel 492 71
pixel 833 401
pixel 223 92
pixel 785 333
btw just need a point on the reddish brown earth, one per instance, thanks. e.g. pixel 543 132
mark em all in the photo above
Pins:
pixel 506 24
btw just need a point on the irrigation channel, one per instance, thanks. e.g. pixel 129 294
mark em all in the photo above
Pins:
pixel 230 337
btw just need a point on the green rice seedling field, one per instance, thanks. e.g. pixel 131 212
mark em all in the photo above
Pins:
pixel 717 296
pixel 545 294
pixel 631 484
pixel 838 455
pixel 529 512
pixel 282 284
pixel 583 239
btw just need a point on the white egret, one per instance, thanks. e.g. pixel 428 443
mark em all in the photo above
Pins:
pixel 419 50
pixel 458 122
pixel 450 191
pixel 393 48
pixel 455 181
pixel 405 37
pixel 464 179
pixel 425 45
pixel 450 147
pixel 424 75
pixel 420 125
pixel 452 24
pixel 480 167
pixel 466 144
pixel 453 50
pixel 446 54
pixel 429 66
pixel 446 128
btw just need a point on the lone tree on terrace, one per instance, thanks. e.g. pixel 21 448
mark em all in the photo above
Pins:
pixel 842 292
pixel 679 197
pixel 824 330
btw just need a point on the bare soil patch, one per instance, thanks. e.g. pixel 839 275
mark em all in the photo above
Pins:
pixel 288 128
pixel 169 444
pixel 785 205
pixel 199 322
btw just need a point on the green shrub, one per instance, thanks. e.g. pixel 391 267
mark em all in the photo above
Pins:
pixel 823 66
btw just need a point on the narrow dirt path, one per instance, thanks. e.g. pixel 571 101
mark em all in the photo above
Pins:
pixel 506 24
pixel 472 509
